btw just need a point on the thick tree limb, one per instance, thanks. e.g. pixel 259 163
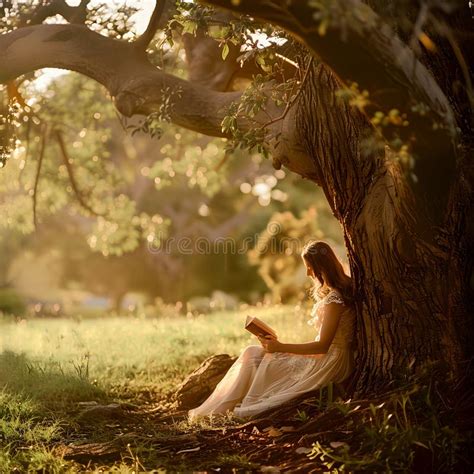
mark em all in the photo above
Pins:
pixel 137 86
pixel 207 67
pixel 359 46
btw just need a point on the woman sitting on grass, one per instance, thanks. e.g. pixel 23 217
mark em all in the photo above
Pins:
pixel 266 376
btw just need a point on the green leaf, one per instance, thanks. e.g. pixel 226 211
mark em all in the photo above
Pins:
pixel 323 26
pixel 225 51
pixel 190 27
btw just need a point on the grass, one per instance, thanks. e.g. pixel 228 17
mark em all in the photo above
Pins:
pixel 25 433
pixel 130 355
pixel 234 461
pixel 48 366
pixel 396 436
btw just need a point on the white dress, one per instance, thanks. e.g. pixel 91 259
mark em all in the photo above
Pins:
pixel 259 380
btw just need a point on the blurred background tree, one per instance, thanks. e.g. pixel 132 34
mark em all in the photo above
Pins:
pixel 109 199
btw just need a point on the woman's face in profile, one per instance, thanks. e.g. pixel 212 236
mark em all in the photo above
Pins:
pixel 309 269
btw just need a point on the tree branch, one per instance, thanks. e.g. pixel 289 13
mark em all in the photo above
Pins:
pixel 359 46
pixel 137 86
pixel 37 176
pixel 75 15
pixel 294 99
pixel 72 178
pixel 144 40
pixel 206 66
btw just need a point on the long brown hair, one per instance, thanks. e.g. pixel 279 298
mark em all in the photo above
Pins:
pixel 322 259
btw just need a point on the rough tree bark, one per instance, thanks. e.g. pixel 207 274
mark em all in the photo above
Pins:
pixel 406 311
pixel 410 254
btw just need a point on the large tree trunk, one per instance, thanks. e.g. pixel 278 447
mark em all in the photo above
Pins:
pixel 411 294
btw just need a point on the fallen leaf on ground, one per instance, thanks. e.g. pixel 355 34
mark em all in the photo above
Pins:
pixel 270 469
pixel 303 450
pixel 337 444
pixel 274 432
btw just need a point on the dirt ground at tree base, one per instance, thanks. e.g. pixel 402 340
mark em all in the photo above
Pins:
pixel 310 434
pixel 153 438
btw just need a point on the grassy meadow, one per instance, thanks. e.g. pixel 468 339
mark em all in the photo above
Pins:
pixel 49 366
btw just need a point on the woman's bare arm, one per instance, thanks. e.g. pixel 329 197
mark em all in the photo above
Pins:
pixel 332 315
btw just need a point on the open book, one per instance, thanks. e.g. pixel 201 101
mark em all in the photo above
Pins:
pixel 258 327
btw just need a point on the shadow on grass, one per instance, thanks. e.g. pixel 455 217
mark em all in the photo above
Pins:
pixel 47 383
pixel 37 411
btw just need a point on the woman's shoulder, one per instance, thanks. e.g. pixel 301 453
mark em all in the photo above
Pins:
pixel 333 296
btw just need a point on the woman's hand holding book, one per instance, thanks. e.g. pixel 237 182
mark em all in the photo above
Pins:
pixel 270 343
pixel 265 334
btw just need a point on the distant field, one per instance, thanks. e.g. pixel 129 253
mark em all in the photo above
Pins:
pixel 134 355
